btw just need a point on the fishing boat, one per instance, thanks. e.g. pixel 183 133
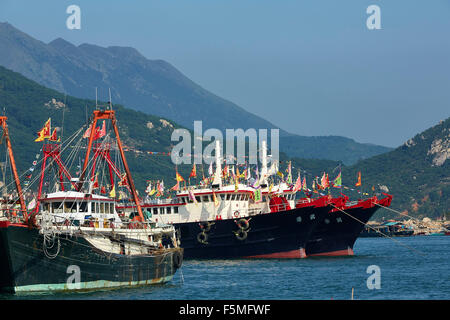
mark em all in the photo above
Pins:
pixel 76 240
pixel 229 221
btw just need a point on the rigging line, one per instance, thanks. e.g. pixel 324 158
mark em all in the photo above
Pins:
pixel 38 177
pixel 20 178
pixel 401 214
pixel 421 253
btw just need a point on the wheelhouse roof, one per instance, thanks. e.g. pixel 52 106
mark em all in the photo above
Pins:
pixel 73 196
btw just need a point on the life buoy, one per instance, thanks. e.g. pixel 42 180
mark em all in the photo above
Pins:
pixel 236 214
pixel 243 224
pixel 202 237
pixel 241 234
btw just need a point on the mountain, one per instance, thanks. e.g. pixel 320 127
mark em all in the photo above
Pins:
pixel 154 87
pixel 416 173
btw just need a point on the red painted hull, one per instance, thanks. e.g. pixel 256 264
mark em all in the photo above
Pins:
pixel 337 253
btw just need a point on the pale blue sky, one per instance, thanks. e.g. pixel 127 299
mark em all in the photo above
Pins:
pixel 311 67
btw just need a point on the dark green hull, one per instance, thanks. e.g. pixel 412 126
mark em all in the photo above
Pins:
pixel 74 264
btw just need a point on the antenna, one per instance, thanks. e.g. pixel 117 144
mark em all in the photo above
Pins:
pixel 110 103
pixel 96 104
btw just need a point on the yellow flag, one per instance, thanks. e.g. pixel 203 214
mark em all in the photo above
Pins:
pixel 112 194
pixel 216 201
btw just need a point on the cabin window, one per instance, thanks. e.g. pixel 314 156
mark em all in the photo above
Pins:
pixel 70 206
pixel 233 197
pixel 111 208
pixel 198 199
pixel 57 207
pixel 161 210
pixel 102 207
pixel 169 210
pixel 222 196
pixel 205 199
pixel 175 209
pixel 93 207
pixel 228 197
pixel 155 210
pixel 46 207
pixel 83 207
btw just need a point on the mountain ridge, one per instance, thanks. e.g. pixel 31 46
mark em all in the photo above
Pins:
pixel 151 86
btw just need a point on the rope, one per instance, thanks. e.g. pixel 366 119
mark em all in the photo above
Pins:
pixel 419 252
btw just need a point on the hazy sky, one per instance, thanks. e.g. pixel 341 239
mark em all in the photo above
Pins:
pixel 311 67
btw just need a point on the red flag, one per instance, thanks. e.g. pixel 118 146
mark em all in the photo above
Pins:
pixel 193 172
pixel 54 136
pixel 99 133
pixel 95 185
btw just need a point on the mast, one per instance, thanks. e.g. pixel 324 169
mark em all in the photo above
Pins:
pixel 218 175
pixel 13 166
pixel 110 115
pixel 263 173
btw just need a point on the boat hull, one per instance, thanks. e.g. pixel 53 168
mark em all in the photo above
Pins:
pixel 25 267
pixel 272 235
pixel 337 232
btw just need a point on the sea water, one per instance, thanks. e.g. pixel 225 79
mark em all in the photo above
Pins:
pixel 412 268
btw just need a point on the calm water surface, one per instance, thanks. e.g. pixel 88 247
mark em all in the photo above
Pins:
pixel 411 268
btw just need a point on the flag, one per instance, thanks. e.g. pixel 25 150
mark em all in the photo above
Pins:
pixel 324 183
pixel 123 181
pixel 225 171
pixel 54 137
pixel 289 177
pixel 99 133
pixel 103 190
pixel 44 133
pixel 257 195
pixel 149 187
pixel 152 192
pixel 179 177
pixel 280 174
pixel 176 187
pixel 193 172
pixel 298 184
pixel 112 194
pixel 358 184
pixel 304 187
pixel 216 201
pixel 32 204
pixel 192 197
pixel 87 133
pixel 337 182
pixel 95 185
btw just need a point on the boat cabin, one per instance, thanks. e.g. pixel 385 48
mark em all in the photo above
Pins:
pixel 80 209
